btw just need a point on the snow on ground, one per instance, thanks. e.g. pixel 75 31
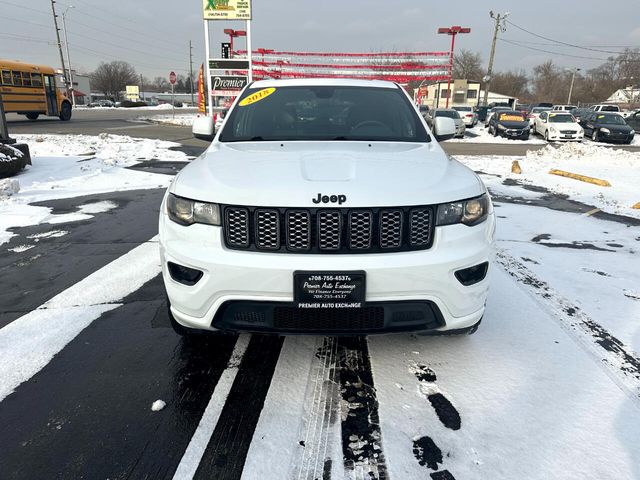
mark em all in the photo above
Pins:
pixel 479 134
pixel 621 168
pixel 66 166
pixel 180 119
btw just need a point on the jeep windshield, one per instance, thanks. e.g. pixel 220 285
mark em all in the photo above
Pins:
pixel 324 113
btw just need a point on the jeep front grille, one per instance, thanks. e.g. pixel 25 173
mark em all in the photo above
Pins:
pixel 327 230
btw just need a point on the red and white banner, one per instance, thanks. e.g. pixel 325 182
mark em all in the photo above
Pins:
pixel 400 67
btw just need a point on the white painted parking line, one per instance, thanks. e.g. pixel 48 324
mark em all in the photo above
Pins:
pixel 198 444
pixel 28 343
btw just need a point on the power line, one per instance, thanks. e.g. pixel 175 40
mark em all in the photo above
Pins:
pixel 559 41
pixel 555 44
pixel 26 21
pixel 25 8
pixel 518 44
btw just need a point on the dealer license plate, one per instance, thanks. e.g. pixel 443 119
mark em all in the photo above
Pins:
pixel 329 289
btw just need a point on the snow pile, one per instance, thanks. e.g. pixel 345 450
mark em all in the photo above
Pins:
pixel 109 149
pixel 181 119
pixel 158 405
pixel 620 167
pixel 8 153
pixel 9 187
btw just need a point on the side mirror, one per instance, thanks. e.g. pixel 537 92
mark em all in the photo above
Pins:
pixel 203 128
pixel 444 128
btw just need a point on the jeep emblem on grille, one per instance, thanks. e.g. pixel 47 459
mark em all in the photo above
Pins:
pixel 339 199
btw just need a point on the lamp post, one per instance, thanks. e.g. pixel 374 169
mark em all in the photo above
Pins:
pixel 453 31
pixel 234 34
pixel 66 44
pixel 573 78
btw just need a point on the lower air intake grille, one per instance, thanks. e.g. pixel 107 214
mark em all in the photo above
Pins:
pixel 361 319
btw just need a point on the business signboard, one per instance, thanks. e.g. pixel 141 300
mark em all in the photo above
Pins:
pixel 227 85
pixel 226 9
pixel 228 64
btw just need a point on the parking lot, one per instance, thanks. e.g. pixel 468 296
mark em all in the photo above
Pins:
pixel 548 388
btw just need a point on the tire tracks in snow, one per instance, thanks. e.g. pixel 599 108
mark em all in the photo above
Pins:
pixel 342 406
pixel 621 363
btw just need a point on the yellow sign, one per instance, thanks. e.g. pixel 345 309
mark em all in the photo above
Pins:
pixel 256 97
pixel 511 118
pixel 226 9
pixel 133 92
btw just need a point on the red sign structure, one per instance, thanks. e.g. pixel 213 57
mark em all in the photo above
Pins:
pixel 172 78
pixel 400 67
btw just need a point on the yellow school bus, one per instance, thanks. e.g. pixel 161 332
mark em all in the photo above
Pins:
pixel 31 90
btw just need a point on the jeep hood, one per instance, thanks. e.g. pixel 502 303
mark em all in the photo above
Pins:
pixel 291 174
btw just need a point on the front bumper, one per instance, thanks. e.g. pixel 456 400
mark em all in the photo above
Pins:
pixel 260 282
pixel 514 133
pixel 615 137
pixel 566 137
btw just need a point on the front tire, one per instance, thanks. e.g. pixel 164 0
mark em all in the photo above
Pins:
pixel 595 136
pixel 546 136
pixel 32 116
pixel 65 112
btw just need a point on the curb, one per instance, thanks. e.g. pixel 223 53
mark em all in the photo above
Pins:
pixel 582 178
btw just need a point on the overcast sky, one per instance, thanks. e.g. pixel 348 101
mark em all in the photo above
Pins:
pixel 154 35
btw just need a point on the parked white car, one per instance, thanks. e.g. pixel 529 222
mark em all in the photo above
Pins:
pixel 447 113
pixel 469 117
pixel 605 108
pixel 534 113
pixel 558 126
pixel 326 206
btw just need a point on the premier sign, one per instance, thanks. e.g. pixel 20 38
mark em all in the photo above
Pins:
pixel 227 85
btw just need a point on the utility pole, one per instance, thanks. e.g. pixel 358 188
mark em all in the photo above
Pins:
pixel 55 23
pixel 499 19
pixel 573 78
pixel 66 45
pixel 142 87
pixel 191 72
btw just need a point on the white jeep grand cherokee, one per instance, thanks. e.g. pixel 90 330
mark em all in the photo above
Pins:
pixel 326 207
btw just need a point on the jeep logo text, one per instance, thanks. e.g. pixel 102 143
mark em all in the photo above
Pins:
pixel 339 199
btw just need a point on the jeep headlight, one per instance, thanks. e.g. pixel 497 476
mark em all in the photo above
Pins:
pixel 187 212
pixel 469 212
pixel 501 127
pixel 605 130
pixel 553 130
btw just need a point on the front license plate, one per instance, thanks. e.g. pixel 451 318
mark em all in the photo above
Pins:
pixel 329 289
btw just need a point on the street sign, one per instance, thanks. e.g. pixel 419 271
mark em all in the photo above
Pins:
pixel 226 9
pixel 172 78
pixel 226 49
pixel 228 64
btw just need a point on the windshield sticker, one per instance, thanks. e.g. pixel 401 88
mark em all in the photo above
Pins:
pixel 256 97
pixel 600 116
pixel 552 114
pixel 511 118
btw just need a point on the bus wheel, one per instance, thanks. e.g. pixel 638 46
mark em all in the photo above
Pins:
pixel 65 112
pixel 33 116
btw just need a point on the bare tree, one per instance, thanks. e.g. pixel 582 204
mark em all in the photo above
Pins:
pixel 513 83
pixel 467 65
pixel 160 84
pixel 112 78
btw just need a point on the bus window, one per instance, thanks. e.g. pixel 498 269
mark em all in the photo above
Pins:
pixel 17 79
pixel 6 77
pixel 36 79
pixel 26 79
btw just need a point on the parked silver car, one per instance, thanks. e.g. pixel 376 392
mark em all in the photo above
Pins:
pixel 450 113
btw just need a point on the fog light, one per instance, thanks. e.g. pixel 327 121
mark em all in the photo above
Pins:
pixel 472 275
pixel 185 275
